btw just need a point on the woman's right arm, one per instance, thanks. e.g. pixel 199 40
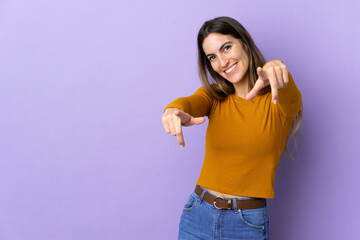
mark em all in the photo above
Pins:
pixel 198 104
pixel 186 111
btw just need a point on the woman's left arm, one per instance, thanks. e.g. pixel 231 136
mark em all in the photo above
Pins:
pixel 283 89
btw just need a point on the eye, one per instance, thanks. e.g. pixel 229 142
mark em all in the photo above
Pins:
pixel 227 47
pixel 211 58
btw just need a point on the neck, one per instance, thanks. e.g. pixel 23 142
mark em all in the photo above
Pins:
pixel 242 87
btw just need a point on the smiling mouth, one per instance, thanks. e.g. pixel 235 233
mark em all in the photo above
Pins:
pixel 231 69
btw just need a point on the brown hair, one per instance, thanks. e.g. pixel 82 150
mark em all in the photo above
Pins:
pixel 220 88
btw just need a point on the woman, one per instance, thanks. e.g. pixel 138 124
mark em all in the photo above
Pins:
pixel 252 112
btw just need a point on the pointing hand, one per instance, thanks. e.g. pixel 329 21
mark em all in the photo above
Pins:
pixel 174 118
pixel 274 73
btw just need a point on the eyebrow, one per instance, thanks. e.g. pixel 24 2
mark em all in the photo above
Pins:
pixel 220 48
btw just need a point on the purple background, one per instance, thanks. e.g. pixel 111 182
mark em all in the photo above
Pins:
pixel 83 85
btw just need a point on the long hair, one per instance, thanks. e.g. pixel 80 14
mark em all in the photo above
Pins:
pixel 220 88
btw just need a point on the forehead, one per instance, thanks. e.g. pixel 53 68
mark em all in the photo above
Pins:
pixel 214 41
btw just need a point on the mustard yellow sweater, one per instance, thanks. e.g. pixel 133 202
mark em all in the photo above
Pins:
pixel 244 139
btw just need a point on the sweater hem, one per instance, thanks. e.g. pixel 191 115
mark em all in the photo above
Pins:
pixel 268 195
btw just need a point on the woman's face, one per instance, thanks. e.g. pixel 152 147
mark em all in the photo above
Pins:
pixel 227 56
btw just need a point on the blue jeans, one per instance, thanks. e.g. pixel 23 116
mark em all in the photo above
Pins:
pixel 201 220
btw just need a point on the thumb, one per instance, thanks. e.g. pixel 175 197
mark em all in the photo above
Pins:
pixel 197 120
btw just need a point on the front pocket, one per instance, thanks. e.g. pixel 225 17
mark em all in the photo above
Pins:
pixel 191 202
pixel 254 218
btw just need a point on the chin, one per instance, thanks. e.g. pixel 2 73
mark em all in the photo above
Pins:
pixel 234 81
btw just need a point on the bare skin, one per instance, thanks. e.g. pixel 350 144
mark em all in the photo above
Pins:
pixel 223 194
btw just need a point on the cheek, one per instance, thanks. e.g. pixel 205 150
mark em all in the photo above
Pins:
pixel 244 62
pixel 215 67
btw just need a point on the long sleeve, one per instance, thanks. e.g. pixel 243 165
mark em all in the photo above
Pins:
pixel 289 99
pixel 197 105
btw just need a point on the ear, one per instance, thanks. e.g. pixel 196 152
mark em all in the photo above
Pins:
pixel 245 47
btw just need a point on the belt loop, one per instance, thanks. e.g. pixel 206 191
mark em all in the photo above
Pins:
pixel 235 205
pixel 202 194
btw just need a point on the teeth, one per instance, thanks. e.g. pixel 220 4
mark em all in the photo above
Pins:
pixel 229 70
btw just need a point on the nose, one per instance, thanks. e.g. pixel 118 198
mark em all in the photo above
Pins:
pixel 224 61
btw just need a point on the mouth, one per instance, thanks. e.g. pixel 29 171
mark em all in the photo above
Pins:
pixel 230 70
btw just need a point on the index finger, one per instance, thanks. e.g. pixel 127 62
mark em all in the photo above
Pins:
pixel 179 136
pixel 274 91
